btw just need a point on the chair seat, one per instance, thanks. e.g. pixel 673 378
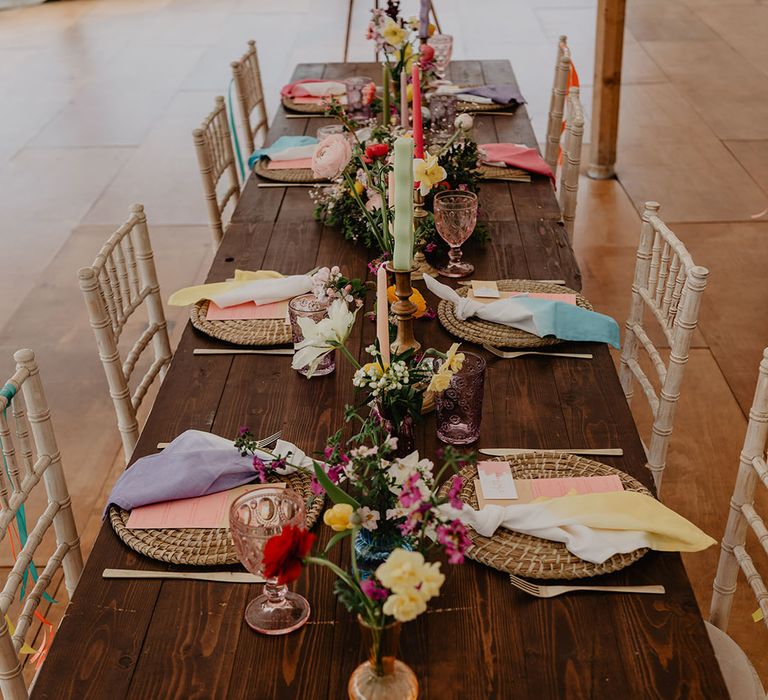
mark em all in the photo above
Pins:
pixel 739 674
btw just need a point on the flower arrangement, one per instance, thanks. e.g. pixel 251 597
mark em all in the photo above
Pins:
pixel 383 494
pixel 328 284
pixel 357 201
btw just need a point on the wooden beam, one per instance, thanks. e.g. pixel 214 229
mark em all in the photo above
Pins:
pixel 609 47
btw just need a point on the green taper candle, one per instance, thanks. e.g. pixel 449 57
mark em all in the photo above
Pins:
pixel 385 115
pixel 403 228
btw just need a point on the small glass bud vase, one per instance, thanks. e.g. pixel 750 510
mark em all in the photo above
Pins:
pixel 383 676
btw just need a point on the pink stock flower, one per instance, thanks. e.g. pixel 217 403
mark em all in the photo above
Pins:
pixel 455 491
pixel 316 487
pixel 454 539
pixel 331 157
pixel 261 469
pixel 411 493
pixel 373 590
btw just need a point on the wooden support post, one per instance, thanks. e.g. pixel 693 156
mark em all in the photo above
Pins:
pixel 609 45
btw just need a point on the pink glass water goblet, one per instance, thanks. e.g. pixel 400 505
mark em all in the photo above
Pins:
pixel 455 219
pixel 254 517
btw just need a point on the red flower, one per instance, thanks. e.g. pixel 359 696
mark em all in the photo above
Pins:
pixel 376 150
pixel 283 554
pixel 426 54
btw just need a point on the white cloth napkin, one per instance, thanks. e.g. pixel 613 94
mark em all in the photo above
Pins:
pixel 295 153
pixel 509 312
pixel 264 291
pixel 324 89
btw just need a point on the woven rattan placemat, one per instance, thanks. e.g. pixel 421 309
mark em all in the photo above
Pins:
pixel 200 546
pixel 288 175
pixel 533 557
pixel 494 172
pixel 482 332
pixel 257 332
pixel 293 106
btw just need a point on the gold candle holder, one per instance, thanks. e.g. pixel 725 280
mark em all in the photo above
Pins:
pixel 419 214
pixel 404 309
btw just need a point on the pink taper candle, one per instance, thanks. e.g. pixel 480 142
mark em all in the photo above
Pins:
pixel 418 131
pixel 404 99
pixel 382 315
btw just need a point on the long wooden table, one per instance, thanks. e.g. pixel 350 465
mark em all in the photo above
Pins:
pixel 481 638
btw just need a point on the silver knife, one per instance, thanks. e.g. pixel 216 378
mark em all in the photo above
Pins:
pixel 222 576
pixel 505 451
pixel 242 351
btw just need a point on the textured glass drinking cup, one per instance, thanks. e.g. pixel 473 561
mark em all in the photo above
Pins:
pixel 455 218
pixel 459 408
pixel 309 306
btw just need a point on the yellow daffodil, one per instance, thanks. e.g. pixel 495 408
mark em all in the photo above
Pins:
pixel 440 382
pixel 402 571
pixel 338 517
pixel 359 187
pixel 409 57
pixel 393 33
pixel 453 359
pixel 427 172
pixel 416 298
pixel 405 606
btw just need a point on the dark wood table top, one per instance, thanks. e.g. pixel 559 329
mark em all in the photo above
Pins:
pixel 481 638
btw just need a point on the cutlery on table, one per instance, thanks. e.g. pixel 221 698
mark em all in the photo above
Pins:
pixel 242 351
pixel 493 114
pixel 260 444
pixel 540 591
pixel 306 116
pixel 287 184
pixel 468 283
pixel 507 355
pixel 223 576
pixel 597 451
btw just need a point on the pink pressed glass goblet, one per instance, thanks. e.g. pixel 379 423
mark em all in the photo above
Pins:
pixel 254 517
pixel 455 218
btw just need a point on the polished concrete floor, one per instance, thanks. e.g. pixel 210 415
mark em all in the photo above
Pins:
pixel 98 99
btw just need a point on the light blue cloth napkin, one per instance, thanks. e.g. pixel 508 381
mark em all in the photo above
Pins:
pixel 282 144
pixel 538 316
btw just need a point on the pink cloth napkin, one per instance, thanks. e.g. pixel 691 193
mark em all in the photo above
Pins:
pixel 289 164
pixel 516 157
pixel 296 89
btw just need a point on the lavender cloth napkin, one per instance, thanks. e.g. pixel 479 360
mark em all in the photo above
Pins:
pixel 194 464
pixel 500 94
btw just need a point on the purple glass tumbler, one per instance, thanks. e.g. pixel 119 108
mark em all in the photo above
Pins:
pixel 459 408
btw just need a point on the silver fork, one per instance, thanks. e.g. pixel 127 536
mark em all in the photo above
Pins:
pixel 260 444
pixel 506 355
pixel 539 591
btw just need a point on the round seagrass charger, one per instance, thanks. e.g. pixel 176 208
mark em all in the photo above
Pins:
pixel 203 546
pixel 288 175
pixel 532 557
pixel 256 332
pixel 293 106
pixel 477 330
pixel 462 106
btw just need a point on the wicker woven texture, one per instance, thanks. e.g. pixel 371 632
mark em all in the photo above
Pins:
pixel 199 546
pixel 257 332
pixel 494 172
pixel 288 175
pixel 533 557
pixel 462 106
pixel 475 330
pixel 290 104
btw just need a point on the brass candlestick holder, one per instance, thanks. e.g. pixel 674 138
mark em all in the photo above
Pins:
pixel 404 309
pixel 419 214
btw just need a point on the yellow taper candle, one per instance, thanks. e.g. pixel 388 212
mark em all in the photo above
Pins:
pixel 402 258
pixel 382 315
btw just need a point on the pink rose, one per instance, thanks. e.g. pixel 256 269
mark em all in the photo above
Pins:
pixel 374 201
pixel 331 157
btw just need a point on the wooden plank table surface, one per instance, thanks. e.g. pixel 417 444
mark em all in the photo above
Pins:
pixel 481 638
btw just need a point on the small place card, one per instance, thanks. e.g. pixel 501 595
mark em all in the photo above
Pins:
pixel 496 479
pixel 485 289
pixel 211 511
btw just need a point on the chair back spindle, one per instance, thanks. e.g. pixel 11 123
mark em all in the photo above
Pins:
pixel 216 158
pixel 557 103
pixel 568 188
pixel 36 460
pixel 669 285
pixel 250 97
pixel 122 279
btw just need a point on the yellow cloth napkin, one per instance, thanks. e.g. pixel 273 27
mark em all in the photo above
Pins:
pixel 593 526
pixel 191 295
